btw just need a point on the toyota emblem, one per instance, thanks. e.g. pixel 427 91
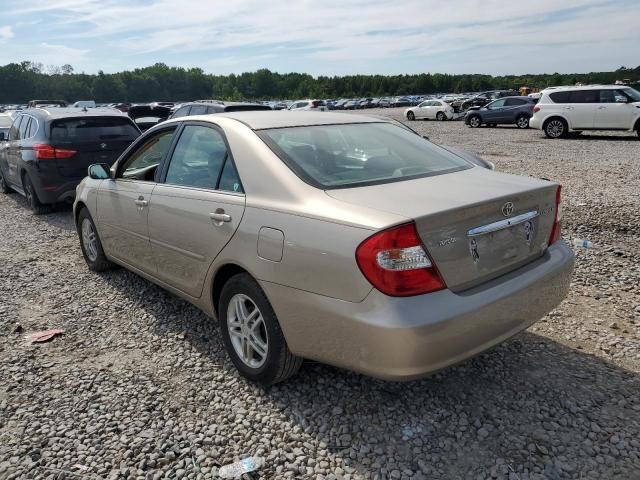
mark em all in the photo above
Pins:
pixel 507 209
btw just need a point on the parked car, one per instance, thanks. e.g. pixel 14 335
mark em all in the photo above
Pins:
pixel 46 103
pixel 123 107
pixel 317 105
pixel 147 115
pixel 400 102
pixel 84 104
pixel 430 109
pixel 570 110
pixel 507 110
pixel 5 124
pixel 484 98
pixel 351 105
pixel 48 151
pixel 306 234
pixel 197 108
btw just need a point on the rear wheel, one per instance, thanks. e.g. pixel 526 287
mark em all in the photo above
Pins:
pixel 522 121
pixel 32 196
pixel 440 116
pixel 4 186
pixel 474 121
pixel 251 333
pixel 91 244
pixel 411 116
pixel 555 128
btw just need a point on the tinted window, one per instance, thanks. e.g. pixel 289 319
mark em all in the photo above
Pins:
pixel 511 102
pixel 584 96
pixel 497 103
pixel 612 96
pixel 149 154
pixel 24 127
pixel 14 131
pixel 33 128
pixel 198 110
pixel 334 156
pixel 632 93
pixel 229 180
pixel 198 158
pixel 436 104
pixel 181 112
pixel 559 97
pixel 92 129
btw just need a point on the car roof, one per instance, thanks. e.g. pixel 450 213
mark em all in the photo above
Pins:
pixel 585 87
pixel 263 119
pixel 66 112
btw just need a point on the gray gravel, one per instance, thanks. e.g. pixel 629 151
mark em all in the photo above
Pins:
pixel 139 386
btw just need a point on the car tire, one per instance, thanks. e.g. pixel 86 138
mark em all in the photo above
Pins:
pixel 556 128
pixel 522 121
pixel 32 196
pixel 475 121
pixel 411 116
pixel 261 355
pixel 90 243
pixel 4 186
pixel 440 116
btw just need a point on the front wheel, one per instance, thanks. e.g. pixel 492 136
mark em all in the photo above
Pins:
pixel 411 116
pixel 475 122
pixel 522 121
pixel 90 243
pixel 440 116
pixel 555 128
pixel 252 335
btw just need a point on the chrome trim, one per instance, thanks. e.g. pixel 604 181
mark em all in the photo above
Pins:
pixel 502 224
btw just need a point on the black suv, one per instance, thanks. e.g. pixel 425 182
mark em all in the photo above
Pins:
pixel 205 108
pixel 47 151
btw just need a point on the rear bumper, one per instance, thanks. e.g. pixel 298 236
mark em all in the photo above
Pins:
pixel 535 122
pixel 55 189
pixel 406 338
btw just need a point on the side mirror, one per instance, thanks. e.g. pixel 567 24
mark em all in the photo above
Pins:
pixel 621 100
pixel 99 171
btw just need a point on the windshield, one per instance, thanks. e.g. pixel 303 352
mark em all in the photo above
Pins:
pixel 92 129
pixel 633 93
pixel 340 156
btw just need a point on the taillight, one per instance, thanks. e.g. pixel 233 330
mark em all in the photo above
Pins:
pixel 536 109
pixel 397 264
pixel 556 232
pixel 47 152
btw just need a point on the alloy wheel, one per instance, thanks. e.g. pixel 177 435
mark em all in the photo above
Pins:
pixel 555 128
pixel 474 122
pixel 523 122
pixel 247 331
pixel 89 240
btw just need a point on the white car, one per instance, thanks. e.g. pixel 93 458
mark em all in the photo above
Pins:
pixel 313 105
pixel 433 109
pixel 570 110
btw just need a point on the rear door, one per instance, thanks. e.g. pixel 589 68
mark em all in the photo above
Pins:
pixel 512 108
pixel 123 203
pixel 581 109
pixel 614 111
pixel 196 208
pixel 93 139
pixel 12 151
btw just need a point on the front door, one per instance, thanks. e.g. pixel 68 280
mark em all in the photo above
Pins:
pixel 123 203
pixel 196 209
pixel 581 110
pixel 614 110
pixel 494 112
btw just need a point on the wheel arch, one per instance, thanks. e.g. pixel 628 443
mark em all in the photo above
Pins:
pixel 77 208
pixel 636 125
pixel 556 115
pixel 220 278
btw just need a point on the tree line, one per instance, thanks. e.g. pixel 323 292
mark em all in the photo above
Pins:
pixel 20 82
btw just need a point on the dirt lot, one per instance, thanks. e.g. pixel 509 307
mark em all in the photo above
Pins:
pixel 139 386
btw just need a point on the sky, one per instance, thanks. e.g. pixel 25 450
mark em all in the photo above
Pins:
pixel 325 37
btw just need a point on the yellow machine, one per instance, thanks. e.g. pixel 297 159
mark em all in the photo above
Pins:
pixel 524 91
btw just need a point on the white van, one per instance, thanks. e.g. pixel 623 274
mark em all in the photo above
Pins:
pixel 571 110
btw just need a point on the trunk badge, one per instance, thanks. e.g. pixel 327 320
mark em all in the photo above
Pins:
pixel 507 209
pixel 103 146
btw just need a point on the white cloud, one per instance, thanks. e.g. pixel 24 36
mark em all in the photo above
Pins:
pixel 6 32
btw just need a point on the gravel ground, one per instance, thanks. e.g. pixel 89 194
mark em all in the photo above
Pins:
pixel 139 386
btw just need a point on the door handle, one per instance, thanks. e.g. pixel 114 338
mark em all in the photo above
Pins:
pixel 141 202
pixel 568 108
pixel 220 217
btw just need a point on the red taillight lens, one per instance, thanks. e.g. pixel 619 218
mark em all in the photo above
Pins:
pixel 536 109
pixel 556 232
pixel 47 152
pixel 397 264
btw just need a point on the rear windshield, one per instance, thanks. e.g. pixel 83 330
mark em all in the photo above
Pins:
pixel 92 129
pixel 341 156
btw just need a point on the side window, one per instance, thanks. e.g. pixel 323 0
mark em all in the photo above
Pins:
pixel 436 104
pixel 560 97
pixel 212 110
pixel 198 110
pixel 24 127
pixel 497 104
pixel 14 131
pixel 140 164
pixel 512 102
pixel 584 96
pixel 229 180
pixel 181 112
pixel 33 128
pixel 198 158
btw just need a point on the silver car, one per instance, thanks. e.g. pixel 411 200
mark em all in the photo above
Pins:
pixel 340 238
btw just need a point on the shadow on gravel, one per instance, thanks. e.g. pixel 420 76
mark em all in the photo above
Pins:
pixel 531 407
pixel 61 214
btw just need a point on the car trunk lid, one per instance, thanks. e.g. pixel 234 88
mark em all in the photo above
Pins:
pixel 476 224
pixel 93 139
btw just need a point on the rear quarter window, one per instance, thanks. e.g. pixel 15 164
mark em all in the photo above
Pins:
pixel 92 129
pixel 559 97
